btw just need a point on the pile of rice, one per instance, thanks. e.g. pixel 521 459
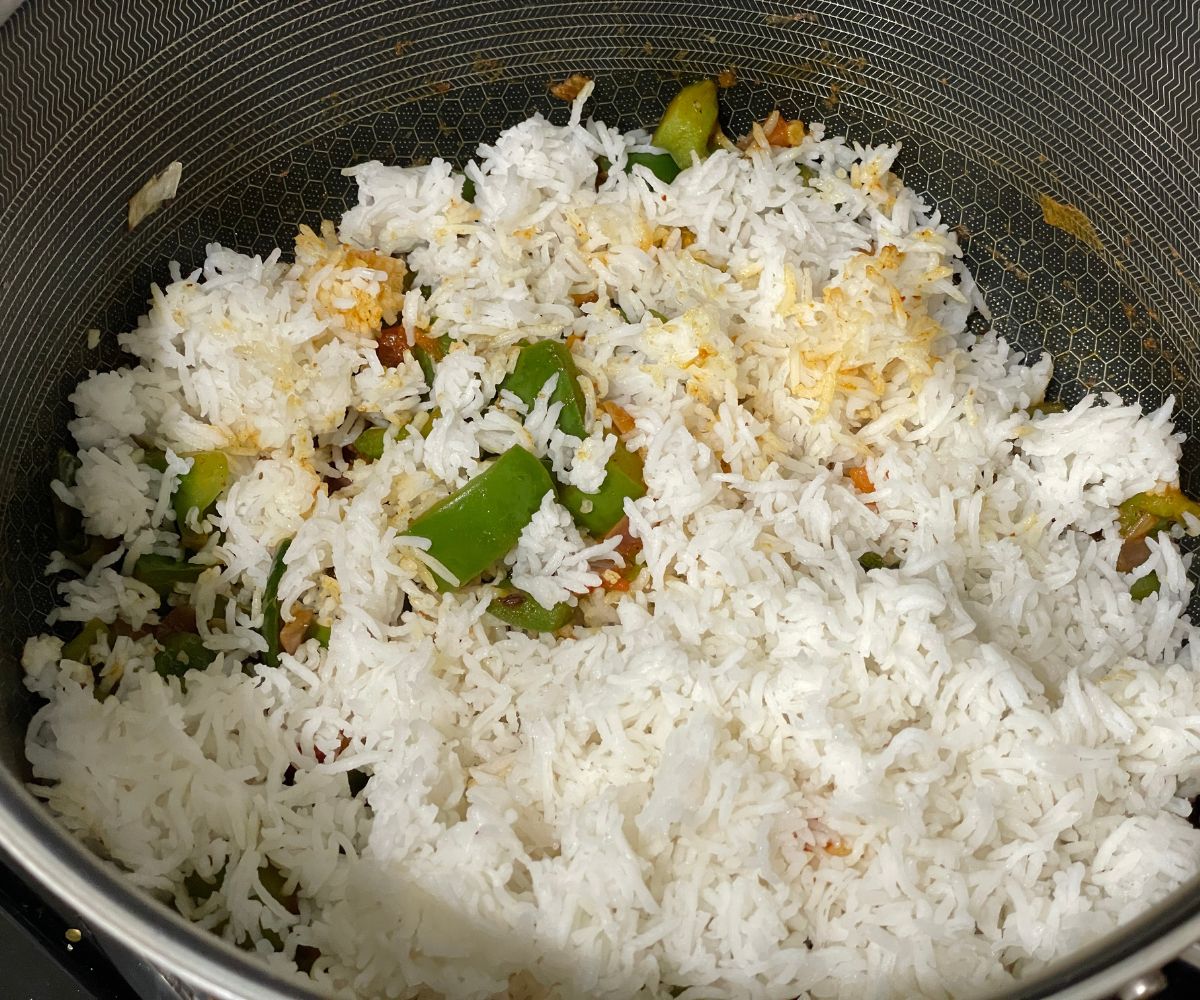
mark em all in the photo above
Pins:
pixel 763 772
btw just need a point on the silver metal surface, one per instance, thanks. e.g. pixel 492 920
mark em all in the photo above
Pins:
pixel 1149 985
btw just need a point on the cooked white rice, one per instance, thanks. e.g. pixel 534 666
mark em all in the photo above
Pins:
pixel 765 772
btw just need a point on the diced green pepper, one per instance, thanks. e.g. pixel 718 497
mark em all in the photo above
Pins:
pixel 73 541
pixel 429 352
pixel 156 458
pixel 198 489
pixel 871 560
pixel 77 648
pixel 662 165
pixel 181 652
pixel 480 523
pixel 1144 586
pixel 1146 513
pixel 321 633
pixel 164 572
pixel 369 444
pixel 622 478
pixel 270 605
pixel 536 365
pixel 516 608
pixel 468 191
pixel 688 122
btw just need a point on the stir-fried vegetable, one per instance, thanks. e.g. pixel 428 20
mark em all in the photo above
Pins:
pixel 270 605
pixel 1145 513
pixel 181 652
pixel 77 648
pixel 662 165
pixel 370 443
pixel 198 490
pixel 321 633
pixel 688 123
pixel 472 528
pixel 598 512
pixel 164 572
pixel 516 608
pixel 1144 586
pixel 394 348
pixel 536 365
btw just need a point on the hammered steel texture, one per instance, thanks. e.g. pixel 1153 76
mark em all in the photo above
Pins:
pixel 999 105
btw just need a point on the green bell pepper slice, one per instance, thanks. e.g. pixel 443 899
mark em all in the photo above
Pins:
pixel 622 478
pixel 181 652
pixel 1144 586
pixel 516 608
pixel 199 488
pixel 480 523
pixel 1140 511
pixel 536 365
pixel 688 123
pixel 164 572
pixel 662 165
pixel 77 648
pixel 270 605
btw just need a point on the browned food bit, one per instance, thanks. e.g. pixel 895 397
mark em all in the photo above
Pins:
pixel 570 88
pixel 1134 552
pixel 180 619
pixel 622 422
pixel 727 77
pixel 294 631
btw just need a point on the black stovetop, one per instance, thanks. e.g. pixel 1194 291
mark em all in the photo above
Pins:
pixel 39 962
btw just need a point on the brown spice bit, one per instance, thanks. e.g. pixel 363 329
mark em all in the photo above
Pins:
pixel 513 600
pixel 401 46
pixel 343 742
pixel 1070 220
pixel 180 619
pixel 785 133
pixel 727 77
pixel 568 89
pixel 1134 552
pixel 861 479
pixel 835 90
pixel 622 421
pixel 838 848
pixel 293 632
pixel 583 298
pixel 392 346
pixel 441 87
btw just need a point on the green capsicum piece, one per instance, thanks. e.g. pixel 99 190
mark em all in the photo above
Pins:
pixel 77 648
pixel 662 165
pixel 688 122
pixel 369 444
pixel 622 478
pixel 199 488
pixel 536 365
pixel 1145 513
pixel 1144 586
pixel 270 605
pixel 163 572
pixel 321 633
pixel 429 352
pixel 480 523
pixel 516 608
pixel 181 652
